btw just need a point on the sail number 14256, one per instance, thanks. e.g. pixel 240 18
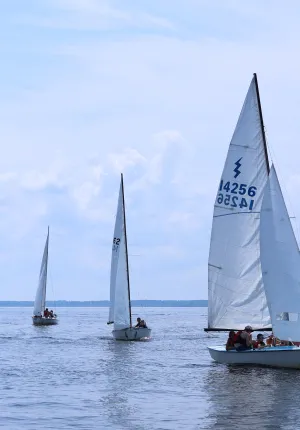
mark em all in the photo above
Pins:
pixel 238 195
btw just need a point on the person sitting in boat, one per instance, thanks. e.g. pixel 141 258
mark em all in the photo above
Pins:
pixel 51 314
pixel 259 343
pixel 230 341
pixel 244 340
pixel 140 323
pixel 271 340
pixel 46 313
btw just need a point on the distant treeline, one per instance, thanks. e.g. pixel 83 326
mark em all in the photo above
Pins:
pixel 105 303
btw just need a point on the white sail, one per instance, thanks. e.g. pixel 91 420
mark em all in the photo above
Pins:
pixel 40 298
pixel 236 294
pixel 280 261
pixel 119 312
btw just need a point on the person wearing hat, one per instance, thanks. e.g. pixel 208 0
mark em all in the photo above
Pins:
pixel 244 340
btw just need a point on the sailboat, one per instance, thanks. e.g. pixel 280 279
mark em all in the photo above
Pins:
pixel 277 263
pixel 236 295
pixel 120 305
pixel 40 298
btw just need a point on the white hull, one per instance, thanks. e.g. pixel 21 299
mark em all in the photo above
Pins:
pixel 279 356
pixel 132 333
pixel 44 321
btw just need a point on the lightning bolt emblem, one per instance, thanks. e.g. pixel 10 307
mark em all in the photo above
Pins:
pixel 236 170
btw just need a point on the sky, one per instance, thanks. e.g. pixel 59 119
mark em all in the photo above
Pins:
pixel 153 89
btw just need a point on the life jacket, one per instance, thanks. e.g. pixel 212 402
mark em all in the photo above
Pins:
pixel 237 336
pixel 273 340
pixel 240 339
pixel 257 343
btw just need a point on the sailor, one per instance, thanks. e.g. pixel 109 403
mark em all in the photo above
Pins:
pixel 272 340
pixel 244 340
pixel 259 343
pixel 230 341
pixel 143 324
pixel 140 323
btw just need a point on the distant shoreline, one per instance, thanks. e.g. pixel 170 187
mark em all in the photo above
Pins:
pixel 105 303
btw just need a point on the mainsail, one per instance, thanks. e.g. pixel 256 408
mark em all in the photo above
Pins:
pixel 120 311
pixel 280 262
pixel 236 294
pixel 40 298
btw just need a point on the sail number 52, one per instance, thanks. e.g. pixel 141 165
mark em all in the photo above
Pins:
pixel 116 243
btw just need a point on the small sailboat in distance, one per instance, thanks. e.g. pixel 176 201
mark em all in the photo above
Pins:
pixel 39 315
pixel 120 305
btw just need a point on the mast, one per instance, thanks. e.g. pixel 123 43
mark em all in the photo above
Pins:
pixel 126 249
pixel 285 314
pixel 46 267
pixel 262 126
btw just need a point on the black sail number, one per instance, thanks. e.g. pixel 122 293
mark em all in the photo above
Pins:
pixel 116 243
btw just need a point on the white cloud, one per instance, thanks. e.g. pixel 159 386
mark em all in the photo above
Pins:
pixel 128 158
pixel 157 97
pixel 94 15
pixel 85 192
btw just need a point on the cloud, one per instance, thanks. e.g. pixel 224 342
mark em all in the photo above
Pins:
pixel 94 15
pixel 91 89
pixel 128 158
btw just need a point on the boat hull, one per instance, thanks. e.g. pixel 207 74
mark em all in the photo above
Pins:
pixel 132 333
pixel 44 321
pixel 279 356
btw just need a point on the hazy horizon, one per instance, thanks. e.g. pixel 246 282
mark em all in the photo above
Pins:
pixel 105 303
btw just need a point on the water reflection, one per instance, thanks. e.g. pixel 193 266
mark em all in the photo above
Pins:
pixel 123 373
pixel 246 397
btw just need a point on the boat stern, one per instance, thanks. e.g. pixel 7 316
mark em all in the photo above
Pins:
pixel 133 333
pixel 44 321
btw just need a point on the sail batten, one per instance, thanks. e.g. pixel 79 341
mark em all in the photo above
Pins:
pixel 236 294
pixel 119 312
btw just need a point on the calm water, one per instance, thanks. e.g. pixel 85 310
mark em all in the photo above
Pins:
pixel 74 376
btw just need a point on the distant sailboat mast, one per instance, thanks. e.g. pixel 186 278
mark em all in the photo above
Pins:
pixel 126 249
pixel 46 272
pixel 40 298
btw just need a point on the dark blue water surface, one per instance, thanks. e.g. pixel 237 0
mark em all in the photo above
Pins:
pixel 75 376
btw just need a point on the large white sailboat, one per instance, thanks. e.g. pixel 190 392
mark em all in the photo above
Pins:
pixel 40 298
pixel 120 306
pixel 236 295
pixel 257 279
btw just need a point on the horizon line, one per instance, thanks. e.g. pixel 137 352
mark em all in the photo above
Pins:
pixel 105 303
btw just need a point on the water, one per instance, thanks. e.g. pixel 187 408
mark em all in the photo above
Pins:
pixel 74 376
